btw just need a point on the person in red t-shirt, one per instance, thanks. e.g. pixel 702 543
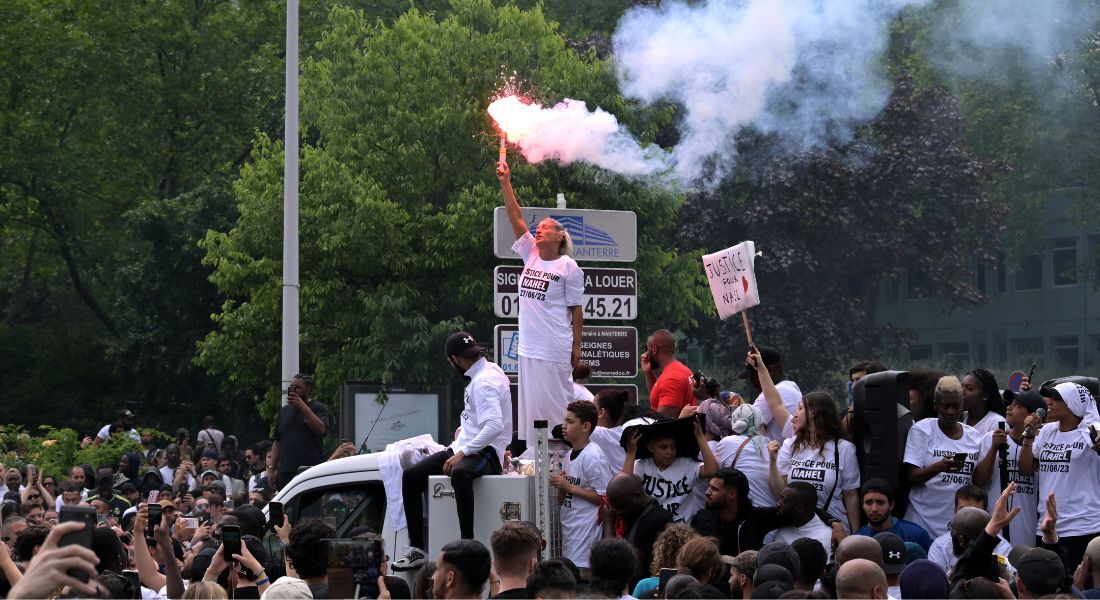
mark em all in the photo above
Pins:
pixel 672 391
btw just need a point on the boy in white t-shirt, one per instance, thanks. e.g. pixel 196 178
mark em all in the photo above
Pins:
pixel 582 483
pixel 665 476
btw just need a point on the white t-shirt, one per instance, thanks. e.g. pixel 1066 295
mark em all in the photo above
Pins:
pixel 815 529
pixel 579 527
pixel 932 505
pixel 581 393
pixel 547 288
pixel 672 488
pixel 818 468
pixel 609 440
pixel 105 432
pixel 168 474
pixel 942 552
pixel 1022 529
pixel 753 462
pixel 987 423
pixel 1069 468
pixel 788 390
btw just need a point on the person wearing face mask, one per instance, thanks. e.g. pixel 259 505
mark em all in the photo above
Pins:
pixel 930 458
pixel 477 450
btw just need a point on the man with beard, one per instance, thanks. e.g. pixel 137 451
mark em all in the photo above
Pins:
pixel 299 430
pixel 729 515
pixel 965 527
pixel 477 450
pixel 634 516
pixel 172 454
pixel 798 514
pixel 878 503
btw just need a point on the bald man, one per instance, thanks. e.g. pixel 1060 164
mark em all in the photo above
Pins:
pixel 672 390
pixel 643 517
pixel 856 547
pixel 965 527
pixel 860 578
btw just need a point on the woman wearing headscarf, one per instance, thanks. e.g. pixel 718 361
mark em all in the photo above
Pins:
pixel 923 580
pixel 747 451
pixel 1066 454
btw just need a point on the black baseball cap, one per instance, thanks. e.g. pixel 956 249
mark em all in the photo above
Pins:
pixel 1031 399
pixel 1041 571
pixel 770 355
pixel 462 344
pixel 893 552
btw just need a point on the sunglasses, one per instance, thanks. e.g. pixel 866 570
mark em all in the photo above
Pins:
pixel 31 496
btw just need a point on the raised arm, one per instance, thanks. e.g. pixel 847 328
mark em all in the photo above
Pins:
pixel 511 205
pixel 779 411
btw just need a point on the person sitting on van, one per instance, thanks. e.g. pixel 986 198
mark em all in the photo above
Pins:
pixel 478 450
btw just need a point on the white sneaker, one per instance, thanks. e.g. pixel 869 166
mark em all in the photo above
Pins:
pixel 414 558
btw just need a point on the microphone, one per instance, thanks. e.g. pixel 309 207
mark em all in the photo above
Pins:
pixel 1042 412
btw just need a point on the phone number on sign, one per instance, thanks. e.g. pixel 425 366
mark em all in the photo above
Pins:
pixel 595 307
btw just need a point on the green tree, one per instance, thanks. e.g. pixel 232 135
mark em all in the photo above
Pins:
pixel 397 197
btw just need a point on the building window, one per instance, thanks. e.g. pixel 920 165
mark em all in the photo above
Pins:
pixel 893 290
pixel 979 277
pixel 921 354
pixel 982 355
pixel 1030 274
pixel 1002 273
pixel 1064 260
pixel 956 357
pixel 1027 350
pixel 918 285
pixel 1092 355
pixel 1066 350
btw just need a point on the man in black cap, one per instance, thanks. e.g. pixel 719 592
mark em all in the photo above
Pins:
pixel 299 431
pixel 478 449
pixel 893 561
pixel 105 486
pixel 1038 572
pixel 788 390
pixel 999 452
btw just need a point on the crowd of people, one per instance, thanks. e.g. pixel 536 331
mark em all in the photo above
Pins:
pixel 700 494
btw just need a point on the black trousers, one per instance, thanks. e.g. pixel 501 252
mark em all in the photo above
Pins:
pixel 415 480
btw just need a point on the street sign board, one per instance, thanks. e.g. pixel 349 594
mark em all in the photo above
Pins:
pixel 609 351
pixel 604 235
pixel 608 293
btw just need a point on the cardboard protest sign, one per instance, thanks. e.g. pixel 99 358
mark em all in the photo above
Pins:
pixel 732 279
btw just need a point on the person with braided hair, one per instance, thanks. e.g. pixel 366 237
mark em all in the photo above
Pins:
pixel 983 408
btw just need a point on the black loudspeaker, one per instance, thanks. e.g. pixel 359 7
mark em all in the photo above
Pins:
pixel 881 426
pixel 1091 383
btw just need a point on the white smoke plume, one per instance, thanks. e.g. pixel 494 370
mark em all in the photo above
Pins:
pixel 568 132
pixel 804 71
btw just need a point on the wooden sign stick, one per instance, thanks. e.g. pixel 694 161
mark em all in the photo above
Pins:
pixel 748 332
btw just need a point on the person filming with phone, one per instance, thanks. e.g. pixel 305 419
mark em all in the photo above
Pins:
pixel 299 431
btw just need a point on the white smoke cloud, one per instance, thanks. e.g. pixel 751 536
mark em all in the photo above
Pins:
pixel 568 132
pixel 804 71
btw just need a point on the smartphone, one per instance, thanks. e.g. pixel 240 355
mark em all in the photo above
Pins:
pixel 229 504
pixel 354 562
pixel 666 574
pixel 82 514
pixel 101 520
pixel 189 522
pixel 155 511
pixel 135 580
pixel 960 457
pixel 274 514
pixel 231 541
pixel 154 497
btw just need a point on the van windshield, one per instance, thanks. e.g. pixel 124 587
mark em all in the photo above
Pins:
pixel 344 507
